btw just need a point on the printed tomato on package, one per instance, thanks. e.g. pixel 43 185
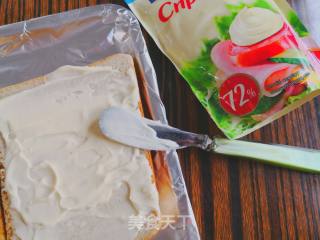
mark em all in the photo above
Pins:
pixel 249 62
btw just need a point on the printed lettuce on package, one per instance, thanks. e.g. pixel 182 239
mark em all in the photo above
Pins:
pixel 248 62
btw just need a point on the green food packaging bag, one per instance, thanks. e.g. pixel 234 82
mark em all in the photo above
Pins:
pixel 248 62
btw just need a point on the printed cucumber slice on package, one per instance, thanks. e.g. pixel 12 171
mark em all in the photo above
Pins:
pixel 248 62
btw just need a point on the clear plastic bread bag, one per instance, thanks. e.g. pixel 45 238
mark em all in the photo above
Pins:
pixel 39 46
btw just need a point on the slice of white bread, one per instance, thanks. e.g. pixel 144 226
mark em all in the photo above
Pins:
pixel 123 63
pixel 120 61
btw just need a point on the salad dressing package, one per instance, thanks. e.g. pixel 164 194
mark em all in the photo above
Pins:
pixel 248 62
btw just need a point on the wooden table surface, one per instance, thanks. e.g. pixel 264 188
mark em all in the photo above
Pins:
pixel 231 198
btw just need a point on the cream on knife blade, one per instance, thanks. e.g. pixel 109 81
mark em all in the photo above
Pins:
pixel 248 62
pixel 131 129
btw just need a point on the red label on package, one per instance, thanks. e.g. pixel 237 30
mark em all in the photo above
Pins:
pixel 239 94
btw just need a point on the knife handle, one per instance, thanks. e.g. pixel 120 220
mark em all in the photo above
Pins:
pixel 297 158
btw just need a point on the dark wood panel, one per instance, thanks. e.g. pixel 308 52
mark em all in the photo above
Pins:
pixel 231 198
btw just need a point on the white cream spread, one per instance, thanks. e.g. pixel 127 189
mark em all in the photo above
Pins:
pixel 253 25
pixel 130 128
pixel 64 178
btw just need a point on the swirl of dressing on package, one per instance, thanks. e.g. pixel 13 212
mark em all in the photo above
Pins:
pixel 253 25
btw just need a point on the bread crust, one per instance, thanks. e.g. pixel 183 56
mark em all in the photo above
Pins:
pixel 161 176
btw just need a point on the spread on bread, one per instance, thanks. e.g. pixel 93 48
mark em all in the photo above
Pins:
pixel 65 180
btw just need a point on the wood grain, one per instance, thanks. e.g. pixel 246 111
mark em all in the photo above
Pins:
pixel 231 198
